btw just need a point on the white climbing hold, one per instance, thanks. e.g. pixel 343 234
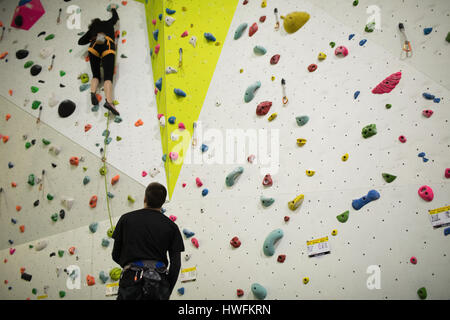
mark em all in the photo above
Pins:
pixel 169 20
pixel 67 202
pixel 193 41
pixel 174 137
pixel 154 172
pixel 52 101
pixel 46 52
pixel 170 70
pixel 41 245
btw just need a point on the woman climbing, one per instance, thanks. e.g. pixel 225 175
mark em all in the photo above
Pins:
pixel 102 51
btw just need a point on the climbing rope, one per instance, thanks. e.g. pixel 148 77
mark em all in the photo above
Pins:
pixel 105 170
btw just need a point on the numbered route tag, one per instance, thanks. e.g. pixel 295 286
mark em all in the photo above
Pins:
pixel 188 274
pixel 318 247
pixel 112 289
pixel 440 217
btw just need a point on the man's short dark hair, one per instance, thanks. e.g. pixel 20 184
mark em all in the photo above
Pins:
pixel 155 195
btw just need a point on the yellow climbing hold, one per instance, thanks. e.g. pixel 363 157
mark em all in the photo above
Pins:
pixel 272 116
pixel 301 142
pixel 310 173
pixel 294 21
pixel 294 204
pixel 264 4
pixel 321 56
pixel 334 232
pixel 242 70
pixel 273 78
pixel 305 280
pixel 345 157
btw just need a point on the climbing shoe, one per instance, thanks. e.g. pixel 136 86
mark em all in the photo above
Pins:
pixel 111 108
pixel 94 99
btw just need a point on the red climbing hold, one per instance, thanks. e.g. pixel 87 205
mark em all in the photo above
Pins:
pixel 74 161
pixel 281 258
pixel 5 139
pixel 87 127
pixel 72 250
pixel 173 218
pixel 240 292
pixel 198 182
pixel 447 173
pixel 18 208
pixel 263 108
pixel 413 260
pixel 235 242
pixel 93 202
pixel 252 29
pixel 7 117
pixel 312 67
pixel 90 280
pixel 13 184
pixel 245 2
pixel 184 34
pixel 22 229
pixel 267 181
pixel 286 219
pixel 275 59
pixel 402 139
pixel 262 19
pixel 195 242
pixel 388 84
pixel 427 113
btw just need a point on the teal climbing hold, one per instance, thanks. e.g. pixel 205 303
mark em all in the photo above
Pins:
pixel 232 176
pixel 103 277
pixel 271 239
pixel 108 140
pixel 240 30
pixel 343 217
pixel 105 242
pixel 95 108
pixel 388 177
pixel 302 120
pixel 93 227
pixel 259 50
pixel 267 202
pixel 84 87
pixel 250 92
pixel 86 180
pixel 259 291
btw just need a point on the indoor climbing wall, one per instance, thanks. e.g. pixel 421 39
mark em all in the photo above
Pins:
pixel 245 232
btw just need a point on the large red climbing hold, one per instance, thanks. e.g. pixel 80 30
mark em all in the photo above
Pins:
pixel 253 29
pixel 267 181
pixel 263 108
pixel 388 84
pixel 275 59
pixel 235 242
pixel 74 161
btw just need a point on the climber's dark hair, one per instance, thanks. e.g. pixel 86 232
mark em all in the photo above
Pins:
pixel 94 22
pixel 155 195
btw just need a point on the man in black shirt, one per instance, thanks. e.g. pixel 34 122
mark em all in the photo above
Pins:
pixel 142 239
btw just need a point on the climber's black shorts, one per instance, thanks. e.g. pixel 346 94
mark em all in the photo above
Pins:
pixel 152 286
pixel 98 58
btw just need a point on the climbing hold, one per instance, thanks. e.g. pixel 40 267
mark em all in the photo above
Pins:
pixel 281 258
pixel 180 291
pixel 173 218
pixel 62 73
pixel 72 250
pixel 267 202
pixel 264 4
pixel 263 108
pixel 49 37
pixel 41 245
pixel 428 96
pixel 31 179
pixel 370 27
pixel 294 21
pixel 209 37
pixel 93 227
pixel 204 148
pixel 305 280
pixel 240 30
pixel 350 37
pixel 252 30
pixel 170 11
pixel 193 41
pixel 115 273
pixel 172 120
pixel 103 277
pixel 34 89
pixel 158 84
pixel 74 161
pixel 341 51
pixel 194 241
pixel 105 242
pixel 334 232
pixel 402 139
pixel 271 239
pixel 131 199
pixel 170 70
pixel 259 291
pixel 66 108
pixel 11 251
pixel 369 130
pixel 93 201
pixel 388 84
pixel 36 203
pixel 301 142
pixel 198 182
pixel 169 20
pixel 321 56
pixel 361 202
pixel 422 293
pixel 115 179
pixel 426 193
pixel 46 142
pixel 62 214
pixel 157 47
pixel 90 280
pixel 272 117
pixel 388 177
pixel 235 242
pixel 239 292
pixel 267 181
pixel 310 173
pixel 446 231
pixel 232 177
pixel 427 31
pixel 22 54
pixel 184 34
pixel 259 50
pixel 35 70
pixel 139 123
pixel 345 157
pixel 312 67
pixel 262 19
pixel 356 94
pixel 447 173
pixel 10 165
pixel 362 42
pixel 294 204
pixel 5 139
pixel 413 260
pixel 388 106
pixel 250 92
pixel 110 232
pixel 302 120
pixel 60 253
pixel 427 113
pixel 7 117
pixel 22 228
pixel 179 92
pixel 275 59
pixel 103 171
pixel 50 197
pixel 173 156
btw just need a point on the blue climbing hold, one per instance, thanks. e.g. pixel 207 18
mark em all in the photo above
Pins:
pixel 155 34
pixel 10 165
pixel 188 233
pixel 428 96
pixel 421 155
pixel 160 17
pixel 164 157
pixel 209 36
pixel 181 290
pixel 204 148
pixel 361 202
pixel 172 120
pixel 356 94
pixel 158 84
pixel 170 11
pixel 446 231
pixel 179 92
pixel 205 192
pixel 425 159
pixel 350 37
pixel 362 42
pixel 14 221
pixel 437 100
pixel 11 242
pixel 427 31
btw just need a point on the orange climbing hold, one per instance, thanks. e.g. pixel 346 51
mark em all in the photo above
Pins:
pixel 74 161
pixel 10 92
pixel 5 139
pixel 124 40
pixel 124 3
pixel 13 184
pixel 139 123
pixel 115 179
pixel 99 97
pixel 18 208
pixel 93 202
pixel 22 270
pixel 72 250
pixel 87 127
pixel 90 280
pixel 7 117
pixel 22 229
pixel 3 55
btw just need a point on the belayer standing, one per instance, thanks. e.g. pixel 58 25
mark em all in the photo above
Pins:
pixel 102 52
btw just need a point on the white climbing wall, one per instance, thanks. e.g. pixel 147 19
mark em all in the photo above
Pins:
pixel 386 232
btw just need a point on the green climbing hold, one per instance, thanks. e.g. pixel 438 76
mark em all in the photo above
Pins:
pixel 343 217
pixel 388 177
pixel 50 197
pixel 370 27
pixel 422 293
pixel 447 38
pixel 35 104
pixel 54 217
pixel 369 130
pixel 49 37
pixel 62 294
pixel 233 175
pixel 34 89
pixel 62 73
pixel 103 170
pixel 31 179
pixel 27 145
pixel 118 138
pixel 355 3
pixel 115 273
pixel 60 253
pixel 28 64
pixel 34 291
pixel 46 142
pixel 85 169
pixel 84 78
pixel 388 106
pixel 110 232
pixel 131 199
pixel 332 44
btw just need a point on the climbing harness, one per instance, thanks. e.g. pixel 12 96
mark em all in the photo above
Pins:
pixel 99 40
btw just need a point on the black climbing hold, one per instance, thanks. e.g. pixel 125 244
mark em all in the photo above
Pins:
pixel 36 203
pixel 41 81
pixel 61 85
pixel 41 34
pixel 54 165
pixel 66 108
pixel 62 214
pixel 18 21
pixel 52 254
pixel 26 276
pixel 35 70
pixel 22 54
pixel 33 142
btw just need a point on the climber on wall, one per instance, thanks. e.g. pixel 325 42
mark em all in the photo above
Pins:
pixel 102 51
pixel 142 239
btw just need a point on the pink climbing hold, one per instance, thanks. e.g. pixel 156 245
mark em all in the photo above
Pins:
pixel 184 185
pixel 388 84
pixel 195 242
pixel 252 30
pixel 251 158
pixel 11 251
pixel 184 34
pixel 275 59
pixel 341 50
pixel 447 173
pixel 413 260
pixel 154 22
pixel 426 193
pixel 157 47
pixel 427 113
pixel 181 126
pixel 160 115
pixel 173 156
pixel 173 218
pixel 144 174
pixel 198 182
pixel 156 91
pixel 267 182
pixel 27 14
pixel 402 139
